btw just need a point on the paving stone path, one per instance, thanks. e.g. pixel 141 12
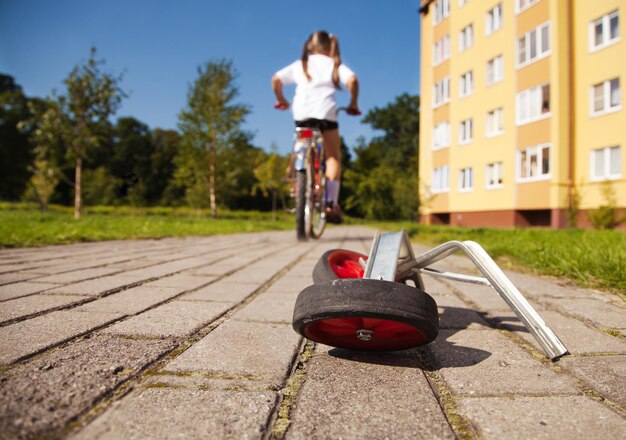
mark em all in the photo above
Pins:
pixel 191 338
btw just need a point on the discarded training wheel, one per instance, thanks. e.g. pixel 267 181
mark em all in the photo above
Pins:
pixel 366 314
pixel 338 263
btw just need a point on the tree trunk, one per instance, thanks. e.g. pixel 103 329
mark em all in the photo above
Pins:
pixel 212 170
pixel 274 205
pixel 77 188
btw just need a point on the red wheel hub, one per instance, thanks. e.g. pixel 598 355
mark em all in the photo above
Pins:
pixel 346 264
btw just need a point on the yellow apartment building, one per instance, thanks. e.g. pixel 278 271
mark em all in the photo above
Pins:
pixel 522 115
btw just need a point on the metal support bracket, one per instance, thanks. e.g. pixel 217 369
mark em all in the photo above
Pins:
pixel 392 259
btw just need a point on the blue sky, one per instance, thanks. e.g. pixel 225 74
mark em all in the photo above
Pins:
pixel 159 45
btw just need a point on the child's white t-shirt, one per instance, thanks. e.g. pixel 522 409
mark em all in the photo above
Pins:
pixel 315 98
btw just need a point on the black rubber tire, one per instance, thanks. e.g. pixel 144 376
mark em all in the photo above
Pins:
pixel 323 270
pixel 318 203
pixel 300 204
pixel 366 298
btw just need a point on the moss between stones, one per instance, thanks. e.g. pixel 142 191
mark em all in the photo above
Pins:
pixel 461 426
pixel 290 393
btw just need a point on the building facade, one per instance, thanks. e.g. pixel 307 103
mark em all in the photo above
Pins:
pixel 522 119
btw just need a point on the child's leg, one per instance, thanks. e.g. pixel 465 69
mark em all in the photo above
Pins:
pixel 332 144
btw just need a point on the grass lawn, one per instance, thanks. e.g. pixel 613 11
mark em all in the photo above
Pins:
pixel 23 225
pixel 590 258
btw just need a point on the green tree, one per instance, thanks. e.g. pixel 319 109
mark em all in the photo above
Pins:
pixel 93 96
pixel 270 174
pixel 382 182
pixel 208 124
pixel 15 150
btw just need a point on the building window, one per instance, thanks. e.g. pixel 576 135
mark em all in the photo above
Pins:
pixel 466 37
pixel 533 45
pixel 441 92
pixel 522 5
pixel 533 104
pixel 495 70
pixel 441 135
pixel 442 10
pixel 440 180
pixel 493 21
pixel 466 131
pixel 466 179
pixel 533 163
pixel 493 175
pixel 442 50
pixel 606 163
pixel 605 97
pixel 604 31
pixel 463 3
pixel 466 84
pixel 495 125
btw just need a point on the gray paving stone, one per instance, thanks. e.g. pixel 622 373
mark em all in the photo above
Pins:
pixel 27 337
pixel 485 298
pixel 605 374
pixel 485 362
pixel 576 336
pixel 543 287
pixel 290 284
pixel 367 396
pixel 16 290
pixel 569 417
pixel 15 277
pixel 98 286
pixel 182 281
pixel 268 307
pixel 132 300
pixel 39 397
pixel 77 275
pixel 222 291
pixel 174 319
pixel 28 305
pixel 244 349
pixel 165 413
pixel 603 314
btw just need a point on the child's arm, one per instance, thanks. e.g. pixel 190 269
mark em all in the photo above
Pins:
pixel 277 86
pixel 353 88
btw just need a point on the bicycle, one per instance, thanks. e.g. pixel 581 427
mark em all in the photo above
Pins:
pixel 308 171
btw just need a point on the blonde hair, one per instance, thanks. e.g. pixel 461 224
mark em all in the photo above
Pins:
pixel 327 44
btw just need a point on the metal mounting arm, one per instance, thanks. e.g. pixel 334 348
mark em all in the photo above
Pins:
pixel 392 259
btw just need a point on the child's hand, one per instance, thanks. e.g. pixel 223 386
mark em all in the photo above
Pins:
pixel 281 105
pixel 353 110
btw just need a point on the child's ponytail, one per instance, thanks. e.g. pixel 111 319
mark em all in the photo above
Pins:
pixel 335 55
pixel 322 42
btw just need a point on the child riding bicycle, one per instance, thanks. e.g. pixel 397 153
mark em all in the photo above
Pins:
pixel 318 75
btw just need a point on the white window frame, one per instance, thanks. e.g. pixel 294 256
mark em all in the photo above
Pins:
pixel 529 105
pixel 528 40
pixel 494 175
pixel 606 164
pixel 441 136
pixel 442 10
pixel 606 98
pixel 441 92
pixel 463 3
pixel 536 152
pixel 605 22
pixel 465 181
pixel 466 131
pixel 440 180
pixel 441 50
pixel 497 68
pixel 466 37
pixel 466 84
pixel 495 115
pixel 493 19
pixel 522 5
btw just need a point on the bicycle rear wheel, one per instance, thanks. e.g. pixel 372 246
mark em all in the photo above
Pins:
pixel 316 198
pixel 301 202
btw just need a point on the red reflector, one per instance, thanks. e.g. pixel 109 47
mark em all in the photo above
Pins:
pixel 306 133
